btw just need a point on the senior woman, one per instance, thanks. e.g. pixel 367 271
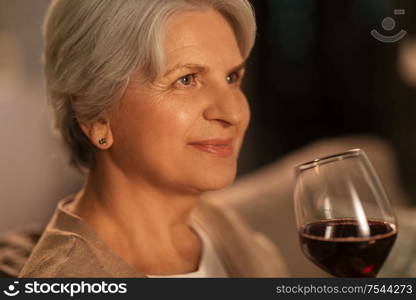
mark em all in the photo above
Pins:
pixel 146 97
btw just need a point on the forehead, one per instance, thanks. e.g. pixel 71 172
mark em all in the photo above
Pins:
pixel 200 35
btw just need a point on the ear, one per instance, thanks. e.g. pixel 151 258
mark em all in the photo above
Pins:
pixel 99 133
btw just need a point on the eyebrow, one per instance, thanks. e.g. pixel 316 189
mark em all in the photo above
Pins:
pixel 201 68
pixel 238 68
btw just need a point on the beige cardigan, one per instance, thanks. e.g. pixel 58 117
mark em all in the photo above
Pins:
pixel 69 247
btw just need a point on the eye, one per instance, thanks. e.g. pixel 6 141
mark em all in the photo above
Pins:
pixel 187 80
pixel 233 77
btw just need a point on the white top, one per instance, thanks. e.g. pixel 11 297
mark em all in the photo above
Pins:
pixel 210 265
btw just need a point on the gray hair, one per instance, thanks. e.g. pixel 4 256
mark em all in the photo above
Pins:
pixel 92 47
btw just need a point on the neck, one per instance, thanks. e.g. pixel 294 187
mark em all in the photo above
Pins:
pixel 145 225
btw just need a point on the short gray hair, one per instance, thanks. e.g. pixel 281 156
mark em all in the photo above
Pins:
pixel 92 47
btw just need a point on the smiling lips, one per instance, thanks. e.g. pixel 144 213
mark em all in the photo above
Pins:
pixel 218 147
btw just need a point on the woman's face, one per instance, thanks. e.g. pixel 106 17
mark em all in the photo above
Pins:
pixel 184 131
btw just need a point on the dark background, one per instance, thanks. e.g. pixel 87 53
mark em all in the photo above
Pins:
pixel 317 72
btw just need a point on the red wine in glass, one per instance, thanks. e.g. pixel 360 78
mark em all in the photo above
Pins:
pixel 335 246
pixel 345 222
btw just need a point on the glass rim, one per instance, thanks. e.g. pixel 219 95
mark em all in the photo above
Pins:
pixel 328 159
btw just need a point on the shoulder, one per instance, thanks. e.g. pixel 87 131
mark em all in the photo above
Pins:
pixel 60 254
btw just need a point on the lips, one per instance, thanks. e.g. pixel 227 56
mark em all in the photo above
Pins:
pixel 220 147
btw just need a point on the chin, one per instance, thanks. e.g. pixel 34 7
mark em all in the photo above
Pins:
pixel 215 181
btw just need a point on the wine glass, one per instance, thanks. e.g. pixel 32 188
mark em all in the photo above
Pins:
pixel 345 221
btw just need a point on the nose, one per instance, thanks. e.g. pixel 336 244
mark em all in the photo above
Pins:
pixel 227 106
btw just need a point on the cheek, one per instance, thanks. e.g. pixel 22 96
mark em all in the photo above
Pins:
pixel 159 126
pixel 178 121
pixel 150 138
pixel 173 125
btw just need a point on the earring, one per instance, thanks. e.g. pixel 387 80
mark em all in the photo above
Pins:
pixel 102 141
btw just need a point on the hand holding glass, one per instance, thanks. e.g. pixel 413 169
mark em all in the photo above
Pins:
pixel 345 222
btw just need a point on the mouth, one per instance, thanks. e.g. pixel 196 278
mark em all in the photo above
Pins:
pixel 220 147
